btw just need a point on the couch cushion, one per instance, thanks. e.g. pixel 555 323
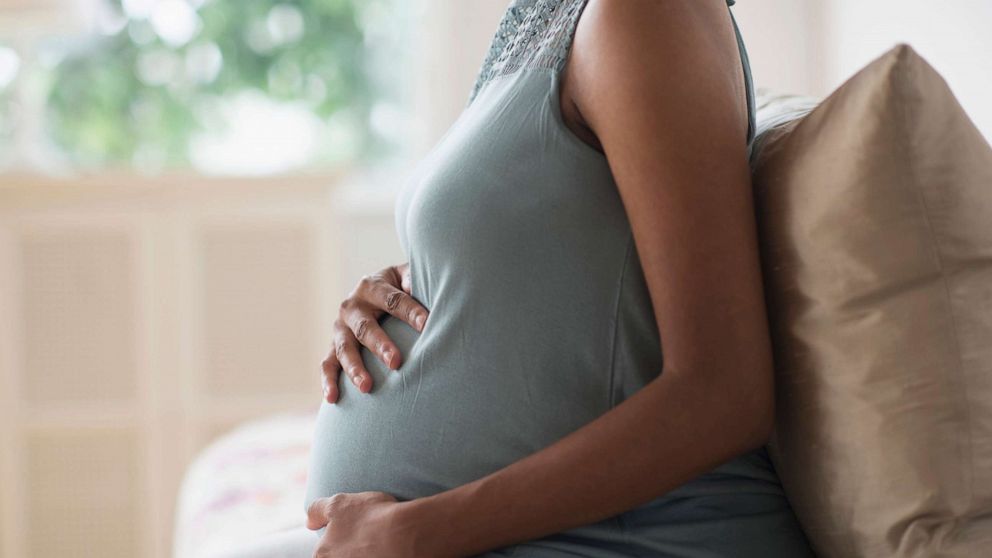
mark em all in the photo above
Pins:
pixel 875 222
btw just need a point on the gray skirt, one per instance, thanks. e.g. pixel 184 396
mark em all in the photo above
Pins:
pixel 721 514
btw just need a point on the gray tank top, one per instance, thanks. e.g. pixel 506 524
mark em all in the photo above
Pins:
pixel 540 318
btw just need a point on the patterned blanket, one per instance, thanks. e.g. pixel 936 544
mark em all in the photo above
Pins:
pixel 247 485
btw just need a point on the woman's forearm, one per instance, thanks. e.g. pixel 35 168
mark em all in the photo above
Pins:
pixel 664 435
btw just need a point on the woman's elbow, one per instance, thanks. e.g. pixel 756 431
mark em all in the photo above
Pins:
pixel 757 410
pixel 741 402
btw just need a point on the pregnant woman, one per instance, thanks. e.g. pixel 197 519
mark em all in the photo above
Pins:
pixel 591 205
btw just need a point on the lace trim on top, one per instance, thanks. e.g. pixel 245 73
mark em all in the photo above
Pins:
pixel 531 34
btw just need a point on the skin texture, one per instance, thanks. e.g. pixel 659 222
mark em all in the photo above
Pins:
pixel 659 88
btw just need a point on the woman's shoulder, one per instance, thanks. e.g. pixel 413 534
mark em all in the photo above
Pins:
pixel 642 53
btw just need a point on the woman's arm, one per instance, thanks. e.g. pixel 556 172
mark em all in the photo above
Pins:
pixel 661 86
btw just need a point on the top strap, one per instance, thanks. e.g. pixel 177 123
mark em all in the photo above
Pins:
pixel 538 34
pixel 531 34
pixel 748 83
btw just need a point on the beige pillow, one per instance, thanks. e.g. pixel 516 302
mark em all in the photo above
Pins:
pixel 875 218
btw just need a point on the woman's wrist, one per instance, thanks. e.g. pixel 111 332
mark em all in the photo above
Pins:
pixel 441 525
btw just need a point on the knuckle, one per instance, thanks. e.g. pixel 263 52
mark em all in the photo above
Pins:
pixel 361 328
pixel 393 300
pixel 348 305
pixel 366 281
pixel 318 506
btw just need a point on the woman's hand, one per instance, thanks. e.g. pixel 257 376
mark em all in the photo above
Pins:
pixel 386 291
pixel 363 524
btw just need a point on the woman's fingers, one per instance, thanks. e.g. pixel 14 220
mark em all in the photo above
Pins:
pixel 406 283
pixel 318 513
pixel 380 291
pixel 365 327
pixel 403 306
pixel 346 350
pixel 329 378
pixel 357 325
pixel 343 355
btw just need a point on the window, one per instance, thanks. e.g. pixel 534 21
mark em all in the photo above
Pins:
pixel 10 63
pixel 227 86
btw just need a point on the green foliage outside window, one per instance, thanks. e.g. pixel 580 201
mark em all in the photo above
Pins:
pixel 9 65
pixel 151 83
pixel 6 118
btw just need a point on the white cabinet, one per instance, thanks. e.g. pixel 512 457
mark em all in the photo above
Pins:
pixel 139 319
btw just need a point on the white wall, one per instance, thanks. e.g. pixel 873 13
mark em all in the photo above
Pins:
pixel 954 36
pixel 785 43
pixel 812 46
pixel 142 317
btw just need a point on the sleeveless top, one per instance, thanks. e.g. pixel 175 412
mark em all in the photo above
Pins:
pixel 540 318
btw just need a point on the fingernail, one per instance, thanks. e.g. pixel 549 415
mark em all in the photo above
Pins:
pixel 387 356
pixel 420 321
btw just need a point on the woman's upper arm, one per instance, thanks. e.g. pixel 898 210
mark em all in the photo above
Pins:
pixel 661 85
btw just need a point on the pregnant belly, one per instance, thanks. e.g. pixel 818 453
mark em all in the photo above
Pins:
pixel 450 415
